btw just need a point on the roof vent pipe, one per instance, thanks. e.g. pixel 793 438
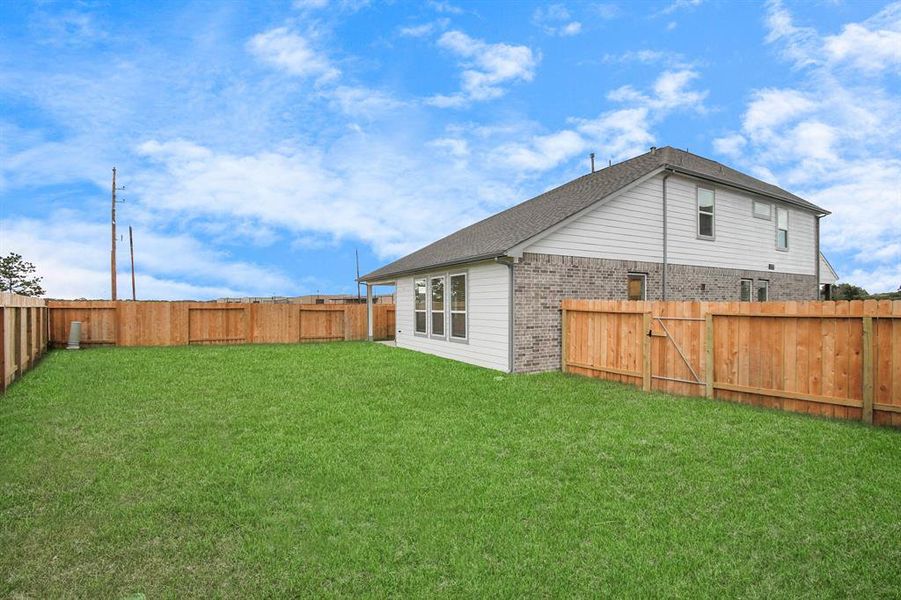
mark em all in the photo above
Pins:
pixel 592 161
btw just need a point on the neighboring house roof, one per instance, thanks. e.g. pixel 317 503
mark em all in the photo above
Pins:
pixel 827 272
pixel 494 236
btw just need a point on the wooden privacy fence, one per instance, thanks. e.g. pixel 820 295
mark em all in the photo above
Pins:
pixel 24 335
pixel 839 359
pixel 124 323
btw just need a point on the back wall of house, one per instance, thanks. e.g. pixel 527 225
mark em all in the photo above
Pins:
pixel 541 281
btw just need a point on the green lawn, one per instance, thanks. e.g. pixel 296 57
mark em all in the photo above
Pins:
pixel 357 469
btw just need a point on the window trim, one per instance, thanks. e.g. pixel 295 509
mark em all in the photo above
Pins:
pixel 750 289
pixel 698 233
pixel 787 228
pixel 644 285
pixel 432 334
pixel 754 203
pixel 425 310
pixel 766 286
pixel 465 312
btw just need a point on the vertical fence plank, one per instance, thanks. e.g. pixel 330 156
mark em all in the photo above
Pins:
pixel 17 329
pixel 646 351
pixel 710 357
pixel 564 327
pixel 868 365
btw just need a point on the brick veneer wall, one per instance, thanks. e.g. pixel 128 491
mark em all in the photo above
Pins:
pixel 541 281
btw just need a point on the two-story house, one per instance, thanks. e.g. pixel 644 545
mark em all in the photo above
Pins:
pixel 667 224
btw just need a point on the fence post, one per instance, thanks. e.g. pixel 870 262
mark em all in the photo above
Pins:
pixel 646 352
pixel 708 355
pixel 2 349
pixel 868 343
pixel 563 326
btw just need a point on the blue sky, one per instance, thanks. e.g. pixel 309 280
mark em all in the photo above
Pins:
pixel 262 143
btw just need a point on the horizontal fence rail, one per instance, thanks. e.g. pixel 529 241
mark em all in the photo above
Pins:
pixel 148 323
pixel 838 359
pixel 24 335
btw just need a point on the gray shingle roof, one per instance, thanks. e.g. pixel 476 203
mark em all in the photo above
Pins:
pixel 494 236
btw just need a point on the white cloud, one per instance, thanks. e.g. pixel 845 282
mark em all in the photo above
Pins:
pixel 456 147
pixel 74 262
pixel 358 101
pixel 555 19
pixel 571 28
pixel 310 4
pixel 486 68
pixel 606 10
pixel 678 5
pixel 615 134
pixel 360 187
pixel 643 56
pixel 731 145
pixel 445 7
pixel 293 53
pixel 798 44
pixel 543 152
pixel 671 91
pixel 424 29
pixel 886 278
pixel 872 46
pixel 771 108
pixel 832 138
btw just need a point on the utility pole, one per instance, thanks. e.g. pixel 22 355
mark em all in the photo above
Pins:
pixel 112 266
pixel 131 245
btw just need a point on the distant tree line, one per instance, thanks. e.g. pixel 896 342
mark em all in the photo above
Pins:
pixel 849 291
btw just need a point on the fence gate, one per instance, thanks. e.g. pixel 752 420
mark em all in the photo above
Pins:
pixel 676 352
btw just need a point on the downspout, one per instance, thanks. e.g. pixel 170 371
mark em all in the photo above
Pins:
pixel 508 260
pixel 665 177
pixel 817 257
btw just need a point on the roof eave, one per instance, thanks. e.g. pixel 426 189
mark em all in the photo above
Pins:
pixel 374 276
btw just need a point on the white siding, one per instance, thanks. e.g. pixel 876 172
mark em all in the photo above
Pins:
pixel 489 318
pixel 742 240
pixel 630 227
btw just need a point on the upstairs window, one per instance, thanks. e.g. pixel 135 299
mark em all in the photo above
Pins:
pixel 437 286
pixel 782 229
pixel 762 210
pixel 638 286
pixel 763 290
pixel 458 306
pixel 744 289
pixel 419 306
pixel 706 201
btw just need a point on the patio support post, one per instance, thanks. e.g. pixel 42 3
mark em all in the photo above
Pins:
pixel 369 311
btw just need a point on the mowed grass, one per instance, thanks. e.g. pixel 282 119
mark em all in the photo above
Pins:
pixel 355 469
